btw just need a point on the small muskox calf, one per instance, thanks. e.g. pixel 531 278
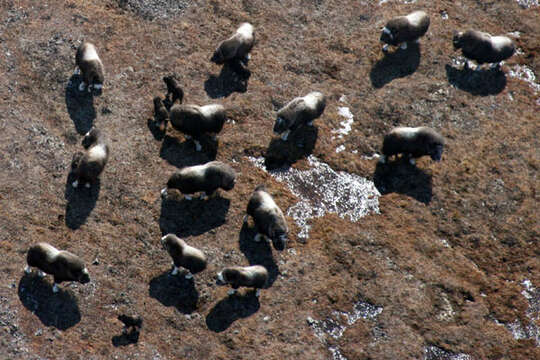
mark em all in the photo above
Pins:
pixel 299 111
pixel 90 66
pixel 482 47
pixel 254 276
pixel 207 177
pixel 268 218
pixel 413 142
pixel 194 121
pixel 88 166
pixel 174 91
pixel 161 114
pixel 235 50
pixel 403 29
pixel 183 255
pixel 63 265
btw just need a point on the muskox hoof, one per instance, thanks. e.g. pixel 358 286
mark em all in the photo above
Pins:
pixel 87 185
pixel 412 161
pixel 75 184
pixel 41 274
pixel 189 276
pixel 310 123
pixel 188 197
pixel 382 159
pixel 258 293
pixel 403 46
pixel 82 86
pixel 285 135
pixel 55 288
pixel 245 220
pixel 203 196
pixel 77 71
pixel 163 192
pixel 198 146
pixel 174 271
pixel 385 48
pixel 27 269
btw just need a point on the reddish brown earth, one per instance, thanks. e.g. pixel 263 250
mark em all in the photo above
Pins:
pixel 447 258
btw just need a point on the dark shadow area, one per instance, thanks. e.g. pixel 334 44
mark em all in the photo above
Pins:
pixel 182 154
pixel 258 253
pixel 175 290
pixel 80 202
pixel 300 144
pixel 80 105
pixel 230 309
pixel 397 64
pixel 127 338
pixel 53 309
pixel 192 217
pixel 403 178
pixel 153 126
pixel 482 82
pixel 229 80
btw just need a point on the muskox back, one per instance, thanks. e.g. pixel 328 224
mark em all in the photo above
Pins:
pixel 268 217
pixel 237 47
pixel 300 111
pixel 405 28
pixel 184 255
pixel 89 165
pixel 90 65
pixel 196 120
pixel 255 276
pixel 482 47
pixel 208 178
pixel 415 142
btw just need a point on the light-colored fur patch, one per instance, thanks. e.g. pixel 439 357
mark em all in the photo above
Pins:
pixel 499 42
pixel 246 29
pixel 416 17
pixel 97 152
pixel 406 132
pixel 220 277
pixel 312 100
pixel 82 86
pixel 209 110
pixel 90 53
pixel 387 31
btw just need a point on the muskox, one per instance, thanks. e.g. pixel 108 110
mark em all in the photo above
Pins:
pixel 482 47
pixel 403 29
pixel 88 166
pixel 299 111
pixel 183 255
pixel 254 276
pixel 194 121
pixel 90 66
pixel 160 113
pixel 413 142
pixel 63 265
pixel 205 178
pixel 174 91
pixel 268 218
pixel 235 50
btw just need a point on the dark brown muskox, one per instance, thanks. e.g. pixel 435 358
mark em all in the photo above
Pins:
pixel 403 29
pixel 299 111
pixel 413 142
pixel 254 276
pixel 88 166
pixel 91 67
pixel 183 255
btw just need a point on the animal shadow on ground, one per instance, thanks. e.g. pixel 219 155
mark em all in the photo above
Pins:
pixel 182 154
pixel 397 64
pixel 482 82
pixel 192 217
pixel 80 202
pixel 53 309
pixel 129 337
pixel 230 309
pixel 258 253
pixel 80 105
pixel 403 178
pixel 300 144
pixel 229 80
pixel 175 290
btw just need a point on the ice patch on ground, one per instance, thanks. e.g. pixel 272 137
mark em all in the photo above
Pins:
pixel 526 74
pixel 340 148
pixel 152 9
pixel 527 4
pixel 335 326
pixel 531 330
pixel 436 353
pixel 322 190
pixel 346 125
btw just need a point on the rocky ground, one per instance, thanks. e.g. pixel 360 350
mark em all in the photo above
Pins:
pixel 437 261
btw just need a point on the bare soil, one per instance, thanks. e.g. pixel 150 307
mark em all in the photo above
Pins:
pixel 447 259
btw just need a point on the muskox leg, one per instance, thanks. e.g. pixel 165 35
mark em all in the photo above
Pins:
pixel 403 46
pixel 203 196
pixel 246 217
pixel 310 123
pixel 382 159
pixel 412 161
pixel 27 269
pixel 198 146
pixel 188 197
pixel 82 85
pixel 174 270
pixel 385 48
pixel 41 274
pixel 285 135
pixel 77 71
pixel 55 288
pixel 231 292
pixel 163 192
pixel 258 292
pixel 87 185
pixel 189 276
pixel 75 184
pixel 188 137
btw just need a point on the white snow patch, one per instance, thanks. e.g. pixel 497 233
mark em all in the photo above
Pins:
pixel 322 190
pixel 346 125
pixel 336 325
pixel 524 73
pixel 527 4
pixel 340 148
pixel 436 353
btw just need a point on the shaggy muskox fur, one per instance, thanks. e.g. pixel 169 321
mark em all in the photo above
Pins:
pixel 90 66
pixel 413 142
pixel 235 50
pixel 207 177
pixel 183 255
pixel 255 276
pixel 194 121
pixel 404 29
pixel 268 217
pixel 63 265
pixel 299 111
pixel 482 47
pixel 88 166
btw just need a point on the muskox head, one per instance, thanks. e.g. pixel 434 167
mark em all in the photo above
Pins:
pixel 280 125
pixel 457 40
pixel 218 56
pixel 278 234
pixel 386 36
pixel 226 276
pixel 82 276
pixel 91 137
pixel 436 152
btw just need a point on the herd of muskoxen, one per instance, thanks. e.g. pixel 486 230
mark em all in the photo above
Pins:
pixel 195 121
